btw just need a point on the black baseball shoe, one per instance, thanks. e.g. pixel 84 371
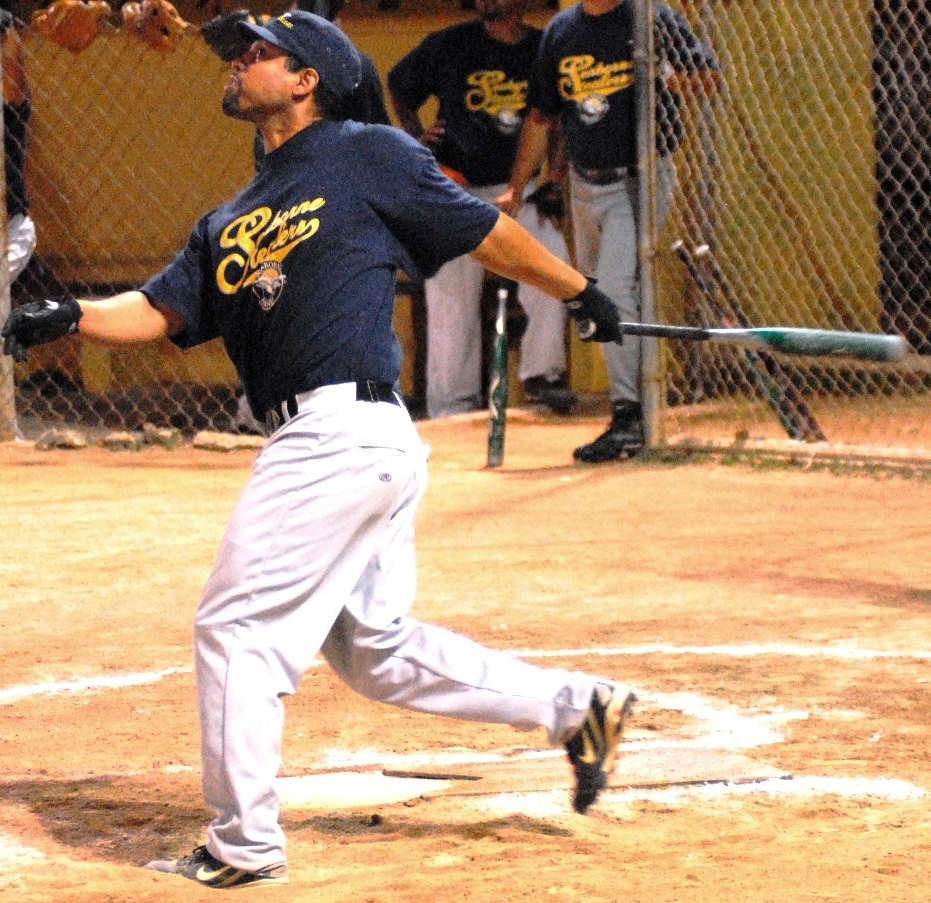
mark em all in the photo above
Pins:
pixel 623 437
pixel 554 393
pixel 204 868
pixel 592 748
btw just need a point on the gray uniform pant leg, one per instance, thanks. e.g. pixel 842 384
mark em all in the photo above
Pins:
pixel 454 330
pixel 543 345
pixel 318 555
pixel 454 338
pixel 605 221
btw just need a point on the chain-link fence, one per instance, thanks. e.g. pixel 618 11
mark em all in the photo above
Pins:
pixel 127 148
pixel 804 201
pixel 803 198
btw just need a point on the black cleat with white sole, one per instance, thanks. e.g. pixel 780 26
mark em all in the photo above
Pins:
pixel 204 868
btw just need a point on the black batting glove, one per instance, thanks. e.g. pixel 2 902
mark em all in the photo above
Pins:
pixel 595 315
pixel 39 322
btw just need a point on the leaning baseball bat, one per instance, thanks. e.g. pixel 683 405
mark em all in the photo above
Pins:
pixel 790 408
pixel 498 385
pixel 864 346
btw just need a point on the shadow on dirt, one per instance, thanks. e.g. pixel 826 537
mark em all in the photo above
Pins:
pixel 121 819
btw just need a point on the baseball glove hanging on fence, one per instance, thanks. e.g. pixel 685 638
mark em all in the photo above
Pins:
pixel 72 24
pixel 155 23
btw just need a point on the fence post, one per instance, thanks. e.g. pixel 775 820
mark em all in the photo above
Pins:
pixel 7 393
pixel 651 371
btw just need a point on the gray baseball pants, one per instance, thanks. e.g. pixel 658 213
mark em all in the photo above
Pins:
pixel 319 557
pixel 454 329
pixel 605 223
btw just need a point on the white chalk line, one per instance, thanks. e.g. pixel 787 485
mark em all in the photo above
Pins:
pixel 13 855
pixel 853 653
pixel 101 682
pixel 850 653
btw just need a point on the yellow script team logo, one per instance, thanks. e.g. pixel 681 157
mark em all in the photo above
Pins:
pixel 260 241
pixel 588 84
pixel 498 96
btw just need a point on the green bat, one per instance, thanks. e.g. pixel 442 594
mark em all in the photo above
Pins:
pixel 864 346
pixel 498 385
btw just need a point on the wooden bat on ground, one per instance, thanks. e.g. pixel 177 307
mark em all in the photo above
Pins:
pixel 498 385
pixel 777 388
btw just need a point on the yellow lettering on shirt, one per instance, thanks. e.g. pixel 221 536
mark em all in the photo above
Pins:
pixel 261 236
pixel 494 92
pixel 581 77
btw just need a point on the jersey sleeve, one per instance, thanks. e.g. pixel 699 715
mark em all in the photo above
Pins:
pixel 430 216
pixel 543 89
pixel 677 43
pixel 181 288
pixel 412 78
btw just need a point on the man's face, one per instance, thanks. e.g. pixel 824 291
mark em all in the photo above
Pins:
pixel 495 10
pixel 259 83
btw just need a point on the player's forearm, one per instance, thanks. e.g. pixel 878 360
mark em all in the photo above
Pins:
pixel 531 151
pixel 128 317
pixel 511 251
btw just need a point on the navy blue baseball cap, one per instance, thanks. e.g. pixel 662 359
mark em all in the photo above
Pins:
pixel 316 43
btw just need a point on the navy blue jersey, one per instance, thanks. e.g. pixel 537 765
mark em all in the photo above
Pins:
pixel 481 86
pixel 297 272
pixel 585 74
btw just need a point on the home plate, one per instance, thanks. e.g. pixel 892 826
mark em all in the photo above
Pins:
pixel 539 771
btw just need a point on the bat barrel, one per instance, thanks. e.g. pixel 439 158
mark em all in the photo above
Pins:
pixel 864 346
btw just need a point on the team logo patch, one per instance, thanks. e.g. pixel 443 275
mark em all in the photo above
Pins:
pixel 268 285
pixel 508 121
pixel 593 109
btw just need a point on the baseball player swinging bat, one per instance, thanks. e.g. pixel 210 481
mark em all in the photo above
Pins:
pixel 498 386
pixel 783 397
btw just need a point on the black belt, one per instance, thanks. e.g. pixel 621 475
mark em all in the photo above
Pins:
pixel 607 175
pixel 366 390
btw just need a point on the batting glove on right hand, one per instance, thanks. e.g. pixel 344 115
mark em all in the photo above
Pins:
pixel 39 322
pixel 595 315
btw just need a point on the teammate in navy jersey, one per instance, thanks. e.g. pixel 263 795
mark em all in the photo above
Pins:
pixel 478 71
pixel 583 82
pixel 297 275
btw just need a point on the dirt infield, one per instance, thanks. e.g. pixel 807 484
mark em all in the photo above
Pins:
pixel 775 621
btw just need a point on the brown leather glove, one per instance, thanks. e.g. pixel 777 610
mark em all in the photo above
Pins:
pixel 155 23
pixel 72 24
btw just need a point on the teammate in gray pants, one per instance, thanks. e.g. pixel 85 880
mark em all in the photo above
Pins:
pixel 478 71
pixel 297 275
pixel 583 83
